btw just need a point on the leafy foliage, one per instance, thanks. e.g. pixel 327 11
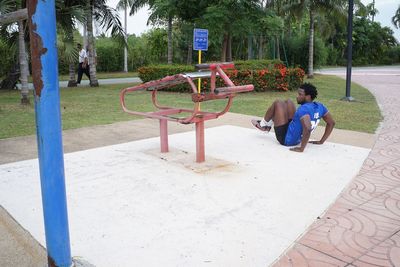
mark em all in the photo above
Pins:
pixel 7 58
pixel 371 42
pixel 298 51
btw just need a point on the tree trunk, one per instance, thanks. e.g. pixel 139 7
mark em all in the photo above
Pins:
pixel 278 53
pixel 373 10
pixel 85 38
pixel 224 47
pixel 72 80
pixel 310 73
pixel 23 63
pixel 249 47
pixel 170 40
pixel 92 62
pixel 126 40
pixel 260 47
pixel 190 53
pixel 21 14
pixel 229 48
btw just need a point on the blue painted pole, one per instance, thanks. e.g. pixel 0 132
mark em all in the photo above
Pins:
pixel 42 25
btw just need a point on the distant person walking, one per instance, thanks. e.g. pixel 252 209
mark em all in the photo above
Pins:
pixel 83 64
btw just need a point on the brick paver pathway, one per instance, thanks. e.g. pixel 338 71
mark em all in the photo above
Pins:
pixel 362 228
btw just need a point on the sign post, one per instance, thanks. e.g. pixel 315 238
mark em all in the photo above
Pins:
pixel 200 43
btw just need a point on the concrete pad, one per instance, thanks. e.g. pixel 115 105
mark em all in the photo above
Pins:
pixel 25 147
pixel 129 205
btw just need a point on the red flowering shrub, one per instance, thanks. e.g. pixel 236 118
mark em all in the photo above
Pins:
pixel 277 77
pixel 296 77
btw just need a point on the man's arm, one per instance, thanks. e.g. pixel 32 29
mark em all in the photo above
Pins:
pixel 330 123
pixel 306 124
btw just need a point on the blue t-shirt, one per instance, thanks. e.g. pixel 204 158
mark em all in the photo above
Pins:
pixel 315 110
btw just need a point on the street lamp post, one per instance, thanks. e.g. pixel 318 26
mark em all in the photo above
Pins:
pixel 349 51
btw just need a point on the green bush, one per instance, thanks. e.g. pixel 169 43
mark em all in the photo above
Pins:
pixel 7 59
pixel 63 65
pixel 391 56
pixel 333 58
pixel 256 64
pixel 298 51
pixel 110 55
pixel 156 72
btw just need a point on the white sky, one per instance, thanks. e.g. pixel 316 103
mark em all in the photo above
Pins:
pixel 386 8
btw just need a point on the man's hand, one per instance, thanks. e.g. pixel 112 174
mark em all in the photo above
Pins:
pixel 316 142
pixel 297 149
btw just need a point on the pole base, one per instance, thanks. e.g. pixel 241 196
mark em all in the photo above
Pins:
pixel 348 99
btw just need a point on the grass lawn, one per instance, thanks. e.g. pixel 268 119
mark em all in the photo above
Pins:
pixel 85 106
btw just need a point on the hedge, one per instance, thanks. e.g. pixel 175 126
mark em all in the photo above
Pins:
pixel 274 77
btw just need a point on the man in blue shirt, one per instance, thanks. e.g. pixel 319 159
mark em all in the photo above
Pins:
pixel 293 127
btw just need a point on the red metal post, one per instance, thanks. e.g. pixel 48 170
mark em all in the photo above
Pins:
pixel 164 135
pixel 200 153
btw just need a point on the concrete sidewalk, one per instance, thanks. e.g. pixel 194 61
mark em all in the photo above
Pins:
pixel 17 244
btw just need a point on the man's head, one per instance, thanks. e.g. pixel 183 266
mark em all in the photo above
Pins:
pixel 306 93
pixel 79 46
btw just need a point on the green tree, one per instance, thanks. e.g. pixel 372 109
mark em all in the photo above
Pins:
pixel 371 41
pixel 108 19
pixel 67 13
pixel 21 66
pixel 372 11
pixel 157 43
pixel 161 11
pixel 227 19
pixel 312 8
pixel 123 5
pixel 396 18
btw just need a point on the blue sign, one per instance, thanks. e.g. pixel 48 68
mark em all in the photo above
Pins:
pixel 200 39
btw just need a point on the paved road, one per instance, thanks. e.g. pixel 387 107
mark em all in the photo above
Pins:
pixel 101 81
pixel 363 71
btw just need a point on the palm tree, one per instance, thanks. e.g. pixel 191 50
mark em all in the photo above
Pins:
pixel 19 15
pixel 108 19
pixel 164 10
pixel 23 63
pixel 67 13
pixel 396 18
pixel 91 45
pixel 372 10
pixel 312 8
pixel 275 23
pixel 123 5
pixel 230 18
pixel 161 11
